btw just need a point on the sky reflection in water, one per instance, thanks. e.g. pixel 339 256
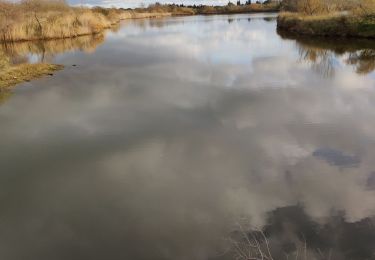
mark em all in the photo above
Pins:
pixel 169 132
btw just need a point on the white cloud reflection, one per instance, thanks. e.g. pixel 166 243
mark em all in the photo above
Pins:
pixel 160 141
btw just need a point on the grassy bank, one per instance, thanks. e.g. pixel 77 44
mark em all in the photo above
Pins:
pixel 54 19
pixel 33 20
pixel 328 25
pixel 25 72
pixel 344 18
pixel 14 58
pixel 42 19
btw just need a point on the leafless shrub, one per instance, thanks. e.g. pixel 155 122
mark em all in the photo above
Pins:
pixel 250 245
pixel 254 244
pixel 312 7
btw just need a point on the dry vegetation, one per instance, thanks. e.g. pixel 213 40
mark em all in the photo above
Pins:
pixel 208 9
pixel 158 8
pixel 32 26
pixel 254 244
pixel 349 18
pixel 40 19
pixel 14 67
pixel 235 9
pixel 25 72
pixel 54 19
pixel 12 74
pixel 318 7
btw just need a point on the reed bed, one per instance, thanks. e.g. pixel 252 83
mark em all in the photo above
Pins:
pixel 344 18
pixel 33 20
pixel 53 19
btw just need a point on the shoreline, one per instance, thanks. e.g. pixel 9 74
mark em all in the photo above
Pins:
pixel 96 31
pixel 12 75
pixel 328 26
pixel 15 75
pixel 133 16
pixel 43 19
pixel 331 43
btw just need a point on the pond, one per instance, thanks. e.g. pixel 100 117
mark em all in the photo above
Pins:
pixel 202 137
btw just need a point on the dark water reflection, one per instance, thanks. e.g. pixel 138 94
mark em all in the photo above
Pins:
pixel 46 51
pixel 172 132
pixel 322 53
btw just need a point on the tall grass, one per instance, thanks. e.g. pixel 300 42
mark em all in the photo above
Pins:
pixel 54 19
pixel 40 19
pixel 318 7
pixel 349 18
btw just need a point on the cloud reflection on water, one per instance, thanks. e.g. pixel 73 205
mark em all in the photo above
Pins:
pixel 159 141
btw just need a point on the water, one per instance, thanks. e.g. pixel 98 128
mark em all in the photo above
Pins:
pixel 172 138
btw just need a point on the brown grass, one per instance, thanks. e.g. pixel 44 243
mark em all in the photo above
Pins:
pixel 316 7
pixel 53 19
pixel 345 18
pixel 24 72
pixel 362 26
pixel 32 20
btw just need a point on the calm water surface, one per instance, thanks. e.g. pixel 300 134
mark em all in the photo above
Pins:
pixel 171 138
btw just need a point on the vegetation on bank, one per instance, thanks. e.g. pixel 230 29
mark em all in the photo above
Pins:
pixel 25 72
pixel 14 58
pixel 54 19
pixel 343 18
pixel 230 8
pixel 33 20
pixel 12 74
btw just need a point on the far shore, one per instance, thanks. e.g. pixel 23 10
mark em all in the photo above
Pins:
pixel 330 25
pixel 315 18
pixel 46 20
